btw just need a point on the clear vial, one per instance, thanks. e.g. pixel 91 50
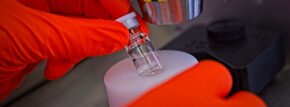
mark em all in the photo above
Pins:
pixel 146 60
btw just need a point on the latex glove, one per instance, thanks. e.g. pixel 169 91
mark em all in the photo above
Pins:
pixel 205 85
pixel 28 36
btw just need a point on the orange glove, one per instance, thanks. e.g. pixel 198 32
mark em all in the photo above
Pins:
pixel 28 36
pixel 204 85
pixel 118 10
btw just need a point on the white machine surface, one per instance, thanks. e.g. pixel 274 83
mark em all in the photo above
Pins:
pixel 124 85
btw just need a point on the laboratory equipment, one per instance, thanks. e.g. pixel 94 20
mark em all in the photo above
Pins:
pixel 124 85
pixel 254 55
pixel 164 12
pixel 160 12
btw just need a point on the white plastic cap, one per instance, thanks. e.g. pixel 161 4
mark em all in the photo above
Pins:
pixel 129 20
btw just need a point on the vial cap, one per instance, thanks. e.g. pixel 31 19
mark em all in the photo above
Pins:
pixel 129 20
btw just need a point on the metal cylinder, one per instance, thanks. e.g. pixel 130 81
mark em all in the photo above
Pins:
pixel 164 12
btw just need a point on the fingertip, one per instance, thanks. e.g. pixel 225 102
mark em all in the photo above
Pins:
pixel 113 35
pixel 124 34
pixel 247 99
pixel 216 76
pixel 121 32
pixel 213 67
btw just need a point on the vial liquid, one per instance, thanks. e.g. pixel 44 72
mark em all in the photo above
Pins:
pixel 145 58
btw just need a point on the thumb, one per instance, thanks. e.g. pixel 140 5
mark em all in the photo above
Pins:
pixel 56 69
pixel 246 98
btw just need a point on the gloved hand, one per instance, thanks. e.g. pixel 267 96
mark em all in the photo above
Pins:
pixel 205 85
pixel 31 33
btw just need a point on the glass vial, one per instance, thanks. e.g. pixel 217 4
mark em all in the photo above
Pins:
pixel 140 49
pixel 145 58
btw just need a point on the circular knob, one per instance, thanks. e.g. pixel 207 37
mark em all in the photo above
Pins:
pixel 226 31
